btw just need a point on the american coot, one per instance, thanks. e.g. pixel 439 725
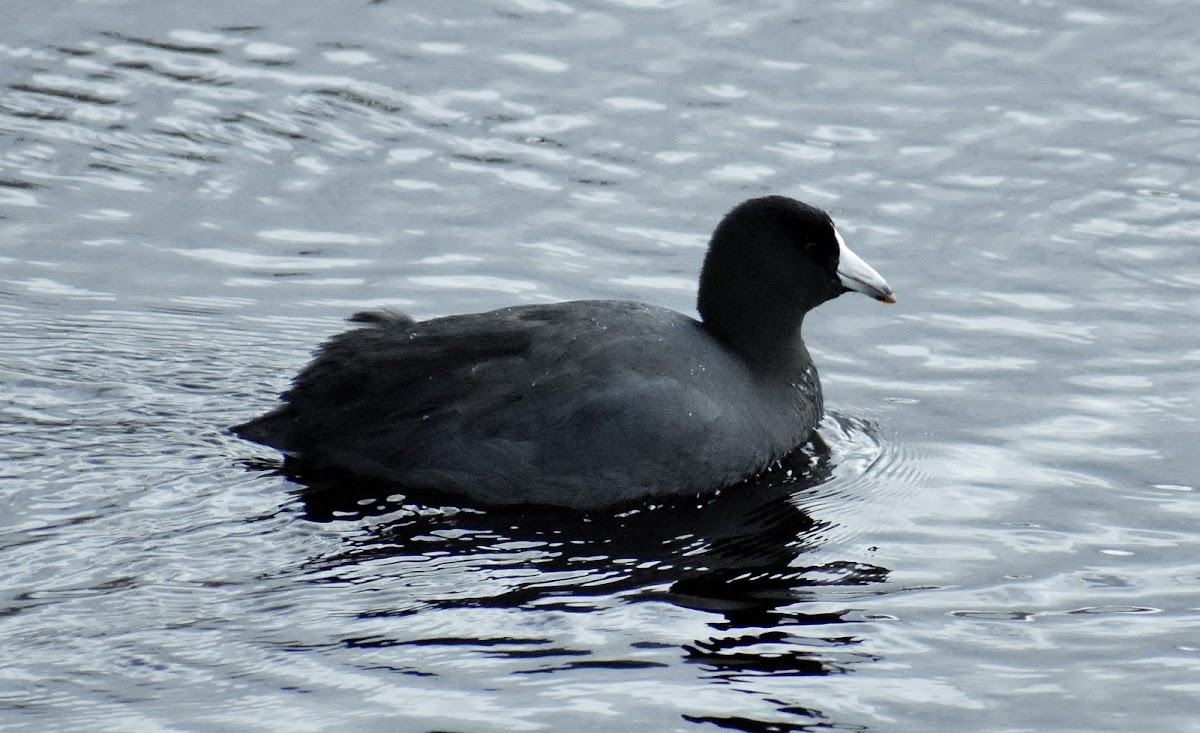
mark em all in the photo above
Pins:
pixel 585 404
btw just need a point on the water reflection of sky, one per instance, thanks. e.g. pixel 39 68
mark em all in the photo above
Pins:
pixel 1001 536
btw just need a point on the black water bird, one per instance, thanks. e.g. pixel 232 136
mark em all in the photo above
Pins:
pixel 585 404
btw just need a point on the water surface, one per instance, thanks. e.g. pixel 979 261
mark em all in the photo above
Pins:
pixel 1001 534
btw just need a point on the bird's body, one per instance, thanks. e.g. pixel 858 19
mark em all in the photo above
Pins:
pixel 569 430
pixel 583 404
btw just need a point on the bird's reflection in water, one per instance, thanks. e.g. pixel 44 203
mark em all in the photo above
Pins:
pixel 737 556
pixel 737 553
pixel 706 544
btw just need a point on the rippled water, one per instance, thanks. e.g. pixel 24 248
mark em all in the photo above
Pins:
pixel 1001 535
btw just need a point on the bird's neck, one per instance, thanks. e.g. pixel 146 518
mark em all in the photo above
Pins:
pixel 770 340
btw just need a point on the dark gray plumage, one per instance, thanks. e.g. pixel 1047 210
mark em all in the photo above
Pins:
pixel 585 404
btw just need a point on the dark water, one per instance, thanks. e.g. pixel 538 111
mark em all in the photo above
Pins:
pixel 1002 535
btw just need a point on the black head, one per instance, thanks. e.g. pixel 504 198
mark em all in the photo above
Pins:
pixel 770 261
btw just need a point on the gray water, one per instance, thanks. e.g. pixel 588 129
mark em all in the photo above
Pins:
pixel 1002 536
